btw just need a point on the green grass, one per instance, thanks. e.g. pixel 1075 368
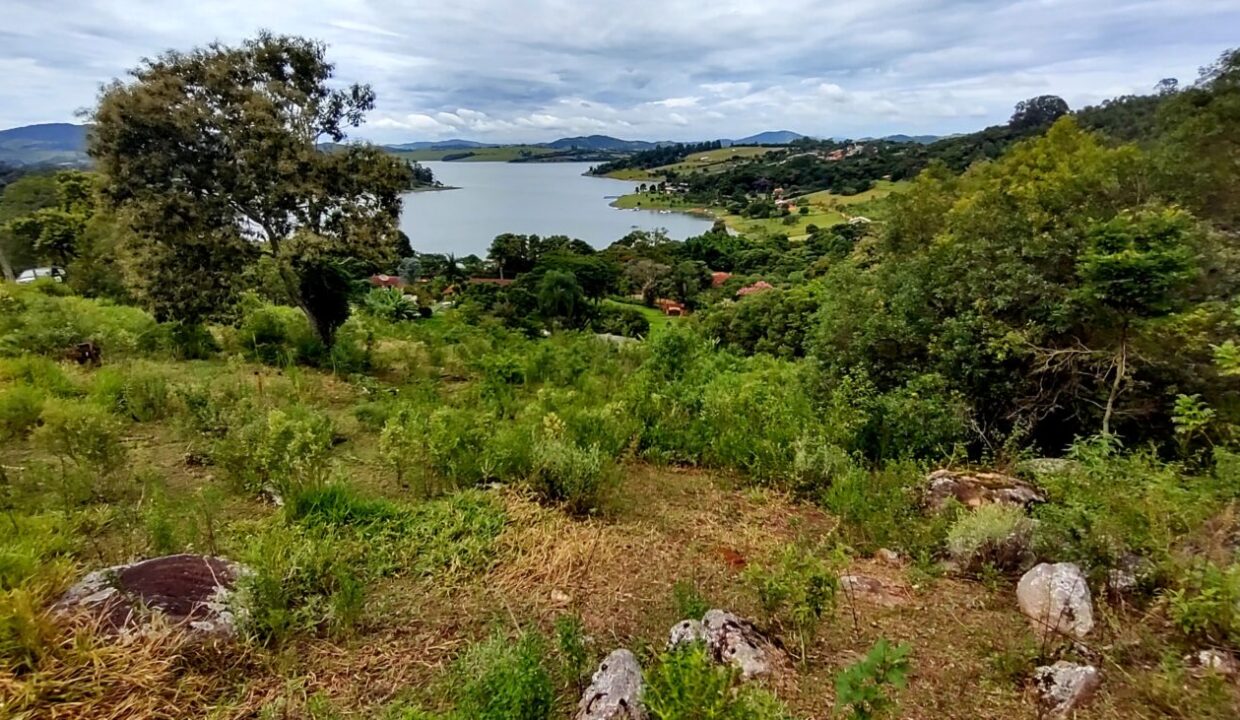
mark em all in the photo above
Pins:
pixel 658 321
pixel 713 161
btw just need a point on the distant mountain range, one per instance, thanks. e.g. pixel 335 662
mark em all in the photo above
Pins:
pixel 65 143
pixel 50 144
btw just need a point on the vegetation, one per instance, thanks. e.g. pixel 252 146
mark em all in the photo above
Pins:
pixel 462 495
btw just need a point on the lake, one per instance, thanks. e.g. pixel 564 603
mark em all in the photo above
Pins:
pixel 527 198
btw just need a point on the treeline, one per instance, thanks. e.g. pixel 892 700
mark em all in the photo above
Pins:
pixel 655 157
pixel 804 167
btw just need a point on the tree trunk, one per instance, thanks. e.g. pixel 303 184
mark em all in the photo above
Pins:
pixel 1121 369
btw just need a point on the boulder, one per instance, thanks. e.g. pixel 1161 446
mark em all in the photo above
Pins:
pixel 194 591
pixel 888 557
pixel 974 489
pixel 1214 662
pixel 1129 572
pixel 686 632
pixel 1065 687
pixel 873 590
pixel 615 690
pixel 734 640
pixel 1056 598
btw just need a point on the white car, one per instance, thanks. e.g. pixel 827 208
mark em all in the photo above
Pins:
pixel 28 276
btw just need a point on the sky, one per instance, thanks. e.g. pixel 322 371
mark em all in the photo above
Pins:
pixel 536 70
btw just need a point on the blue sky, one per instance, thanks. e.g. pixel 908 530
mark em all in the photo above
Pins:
pixel 534 70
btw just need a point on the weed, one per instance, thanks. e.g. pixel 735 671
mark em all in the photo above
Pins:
pixel 20 408
pixel 797 589
pixel 688 600
pixel 863 690
pixel 686 684
pixel 505 679
pixel 995 535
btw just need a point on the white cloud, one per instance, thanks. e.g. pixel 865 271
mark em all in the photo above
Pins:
pixel 655 69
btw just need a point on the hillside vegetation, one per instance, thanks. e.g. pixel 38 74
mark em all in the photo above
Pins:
pixel 925 463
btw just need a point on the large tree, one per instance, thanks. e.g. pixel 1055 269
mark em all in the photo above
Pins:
pixel 219 152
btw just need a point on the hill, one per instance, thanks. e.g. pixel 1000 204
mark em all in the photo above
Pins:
pixel 454 144
pixel 51 143
pixel 772 137
pixel 601 142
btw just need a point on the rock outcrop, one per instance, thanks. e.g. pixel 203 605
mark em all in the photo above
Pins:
pixel 1065 687
pixel 194 591
pixel 974 489
pixel 615 691
pixel 734 640
pixel 1214 662
pixel 1056 598
pixel 686 632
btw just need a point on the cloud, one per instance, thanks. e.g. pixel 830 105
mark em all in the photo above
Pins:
pixel 655 69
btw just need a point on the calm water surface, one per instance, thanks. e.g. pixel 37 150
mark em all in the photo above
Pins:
pixel 529 198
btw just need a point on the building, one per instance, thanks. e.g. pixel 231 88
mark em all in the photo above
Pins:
pixel 671 308
pixel 718 278
pixel 759 287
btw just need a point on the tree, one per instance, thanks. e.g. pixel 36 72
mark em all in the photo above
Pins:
pixel 215 148
pixel 511 253
pixel 1038 112
pixel 22 198
pixel 560 298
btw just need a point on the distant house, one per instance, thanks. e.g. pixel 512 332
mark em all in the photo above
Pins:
pixel 759 287
pixel 671 308
pixel 717 279
pixel 389 281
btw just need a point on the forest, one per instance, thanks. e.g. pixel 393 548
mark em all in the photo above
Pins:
pixel 260 459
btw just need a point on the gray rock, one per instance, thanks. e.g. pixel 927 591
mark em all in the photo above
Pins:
pixel 736 641
pixel 194 591
pixel 889 557
pixel 1038 467
pixel 1214 661
pixel 1065 687
pixel 615 691
pixel 686 632
pixel 973 489
pixel 1056 598
pixel 1128 574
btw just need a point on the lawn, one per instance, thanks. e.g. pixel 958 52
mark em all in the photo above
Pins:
pixel 658 321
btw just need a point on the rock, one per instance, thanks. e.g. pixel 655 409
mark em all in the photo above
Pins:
pixel 1214 661
pixel 872 589
pixel 731 639
pixel 1056 598
pixel 1065 687
pixel 195 591
pixel 686 632
pixel 1127 574
pixel 615 690
pixel 559 598
pixel 889 557
pixel 975 489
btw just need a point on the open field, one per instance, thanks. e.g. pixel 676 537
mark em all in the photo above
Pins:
pixel 658 321
pixel 713 160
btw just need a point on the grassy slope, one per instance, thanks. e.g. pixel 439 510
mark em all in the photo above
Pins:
pixel 617 572
pixel 709 161
pixel 658 321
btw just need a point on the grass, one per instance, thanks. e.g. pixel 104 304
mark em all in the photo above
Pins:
pixel 658 321
pixel 711 161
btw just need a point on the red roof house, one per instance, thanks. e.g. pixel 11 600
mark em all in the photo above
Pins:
pixel 717 279
pixel 758 287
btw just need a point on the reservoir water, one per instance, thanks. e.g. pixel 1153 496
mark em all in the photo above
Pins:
pixel 526 198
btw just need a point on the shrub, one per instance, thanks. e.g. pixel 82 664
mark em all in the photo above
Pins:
pixel 275 334
pixel 503 679
pixel 863 689
pixel 282 452
pixel 42 324
pixel 686 684
pixel 39 373
pixel 574 655
pixel 390 304
pixel 20 408
pixel 996 536
pixel 626 321
pixel 86 441
pixel 566 473
pixel 689 600
pixel 797 589
pixel 1206 606
pixel 137 392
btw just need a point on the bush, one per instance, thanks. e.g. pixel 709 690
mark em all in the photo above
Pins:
pixel 686 684
pixel 283 452
pixel 797 589
pixel 275 334
pixel 42 324
pixel 20 408
pixel 626 321
pixel 994 536
pixel 86 440
pixel 137 392
pixel 390 304
pixel 503 679
pixel 1206 606
pixel 863 688
pixel 566 473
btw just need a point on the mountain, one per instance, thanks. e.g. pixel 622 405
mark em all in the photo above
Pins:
pixel 48 144
pixel 773 137
pixel 919 139
pixel 454 144
pixel 601 142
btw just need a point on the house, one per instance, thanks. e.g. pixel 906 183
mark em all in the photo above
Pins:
pixel 388 281
pixel 671 308
pixel 717 279
pixel 759 287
